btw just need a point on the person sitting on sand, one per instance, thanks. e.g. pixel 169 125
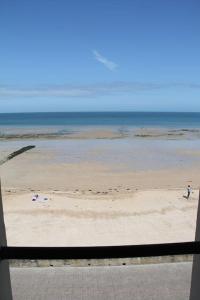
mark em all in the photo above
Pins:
pixel 188 191
pixel 35 197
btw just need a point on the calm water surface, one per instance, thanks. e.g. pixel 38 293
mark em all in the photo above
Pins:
pixel 138 119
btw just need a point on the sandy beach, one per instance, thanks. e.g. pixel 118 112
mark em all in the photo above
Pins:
pixel 102 188
pixel 74 219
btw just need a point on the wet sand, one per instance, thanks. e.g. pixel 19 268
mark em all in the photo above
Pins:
pixel 96 132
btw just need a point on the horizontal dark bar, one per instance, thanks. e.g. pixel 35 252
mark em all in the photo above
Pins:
pixel 99 252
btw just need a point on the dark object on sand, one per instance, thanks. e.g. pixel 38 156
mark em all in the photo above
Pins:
pixel 15 153
pixel 188 191
pixel 35 197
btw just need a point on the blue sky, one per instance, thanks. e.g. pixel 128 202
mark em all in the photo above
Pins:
pixel 99 55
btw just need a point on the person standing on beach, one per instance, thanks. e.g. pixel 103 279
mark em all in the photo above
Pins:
pixel 188 191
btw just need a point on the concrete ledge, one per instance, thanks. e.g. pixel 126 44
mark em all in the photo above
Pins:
pixel 101 262
pixel 142 282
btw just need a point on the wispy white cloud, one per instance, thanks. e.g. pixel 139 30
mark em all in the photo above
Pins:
pixel 50 91
pixel 102 59
pixel 91 90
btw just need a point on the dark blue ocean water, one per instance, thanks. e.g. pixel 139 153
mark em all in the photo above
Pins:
pixel 138 119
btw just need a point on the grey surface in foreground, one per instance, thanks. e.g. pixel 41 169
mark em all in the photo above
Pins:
pixel 153 282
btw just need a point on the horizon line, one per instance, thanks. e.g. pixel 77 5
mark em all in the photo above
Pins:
pixel 98 111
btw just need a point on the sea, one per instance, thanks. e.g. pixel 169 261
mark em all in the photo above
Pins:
pixel 136 119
